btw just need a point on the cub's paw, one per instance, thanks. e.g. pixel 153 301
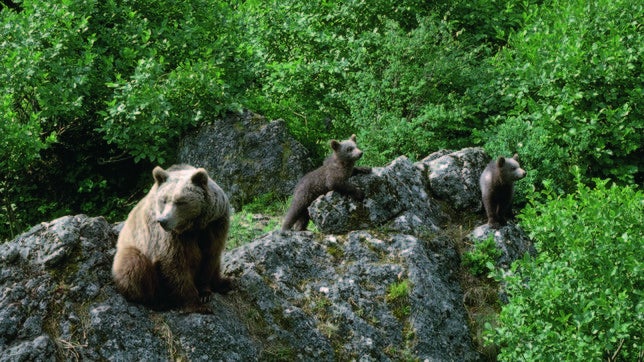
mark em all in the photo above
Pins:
pixel 222 285
pixel 359 195
pixel 197 307
pixel 363 170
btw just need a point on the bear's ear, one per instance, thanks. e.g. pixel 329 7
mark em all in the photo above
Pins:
pixel 200 178
pixel 335 145
pixel 500 162
pixel 516 156
pixel 160 175
pixel 353 137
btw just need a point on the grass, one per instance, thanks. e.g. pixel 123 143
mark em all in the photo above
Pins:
pixel 263 215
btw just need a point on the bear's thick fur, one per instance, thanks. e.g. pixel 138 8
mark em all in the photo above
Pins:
pixel 169 250
pixel 332 175
pixel 497 188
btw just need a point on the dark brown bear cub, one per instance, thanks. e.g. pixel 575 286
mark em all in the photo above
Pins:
pixel 497 188
pixel 331 176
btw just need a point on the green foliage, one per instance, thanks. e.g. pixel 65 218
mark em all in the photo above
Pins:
pixel 260 216
pixel 382 69
pixel 406 96
pixel 567 92
pixel 88 88
pixel 482 258
pixel 93 94
pixel 398 297
pixel 581 298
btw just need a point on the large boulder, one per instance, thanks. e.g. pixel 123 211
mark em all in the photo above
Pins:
pixel 510 239
pixel 297 296
pixel 454 176
pixel 355 296
pixel 396 198
pixel 247 156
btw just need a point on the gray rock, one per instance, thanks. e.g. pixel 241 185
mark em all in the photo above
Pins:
pixel 510 239
pixel 297 296
pixel 454 176
pixel 41 348
pixel 395 199
pixel 330 297
pixel 247 156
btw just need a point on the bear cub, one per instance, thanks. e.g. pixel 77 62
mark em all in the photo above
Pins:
pixel 169 251
pixel 331 176
pixel 497 188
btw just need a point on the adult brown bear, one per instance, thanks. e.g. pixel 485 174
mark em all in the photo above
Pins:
pixel 169 250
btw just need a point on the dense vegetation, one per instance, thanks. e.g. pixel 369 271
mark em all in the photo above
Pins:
pixel 93 93
pixel 582 297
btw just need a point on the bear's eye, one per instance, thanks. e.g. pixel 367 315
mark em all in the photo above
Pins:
pixel 350 149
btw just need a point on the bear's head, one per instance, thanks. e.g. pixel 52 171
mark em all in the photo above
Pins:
pixel 346 150
pixel 509 168
pixel 181 197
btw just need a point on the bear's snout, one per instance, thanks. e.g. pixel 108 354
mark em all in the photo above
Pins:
pixel 165 223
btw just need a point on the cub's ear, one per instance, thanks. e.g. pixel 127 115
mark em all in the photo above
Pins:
pixel 516 156
pixel 335 145
pixel 353 137
pixel 500 162
pixel 200 178
pixel 160 175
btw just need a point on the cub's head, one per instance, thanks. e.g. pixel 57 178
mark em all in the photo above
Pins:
pixel 510 169
pixel 346 150
pixel 181 197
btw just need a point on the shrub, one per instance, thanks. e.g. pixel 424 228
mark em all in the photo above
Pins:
pixel 482 257
pixel 89 87
pixel 406 95
pixel 582 297
pixel 567 89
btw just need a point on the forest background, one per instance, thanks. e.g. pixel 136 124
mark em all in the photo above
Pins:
pixel 93 94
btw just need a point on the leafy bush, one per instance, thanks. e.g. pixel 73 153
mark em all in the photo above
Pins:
pixel 391 71
pixel 406 96
pixel 567 90
pixel 582 297
pixel 89 87
pixel 482 257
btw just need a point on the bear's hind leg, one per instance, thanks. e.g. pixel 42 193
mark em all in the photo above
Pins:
pixel 291 217
pixel 135 276
pixel 302 222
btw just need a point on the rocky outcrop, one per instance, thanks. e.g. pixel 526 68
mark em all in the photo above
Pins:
pixel 297 296
pixel 381 286
pixel 396 198
pixel 454 176
pixel 247 156
pixel 403 196
pixel 510 239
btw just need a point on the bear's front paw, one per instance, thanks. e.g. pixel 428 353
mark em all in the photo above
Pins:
pixel 197 307
pixel 222 285
pixel 359 195
pixel 497 224
pixel 363 170
pixel 204 295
